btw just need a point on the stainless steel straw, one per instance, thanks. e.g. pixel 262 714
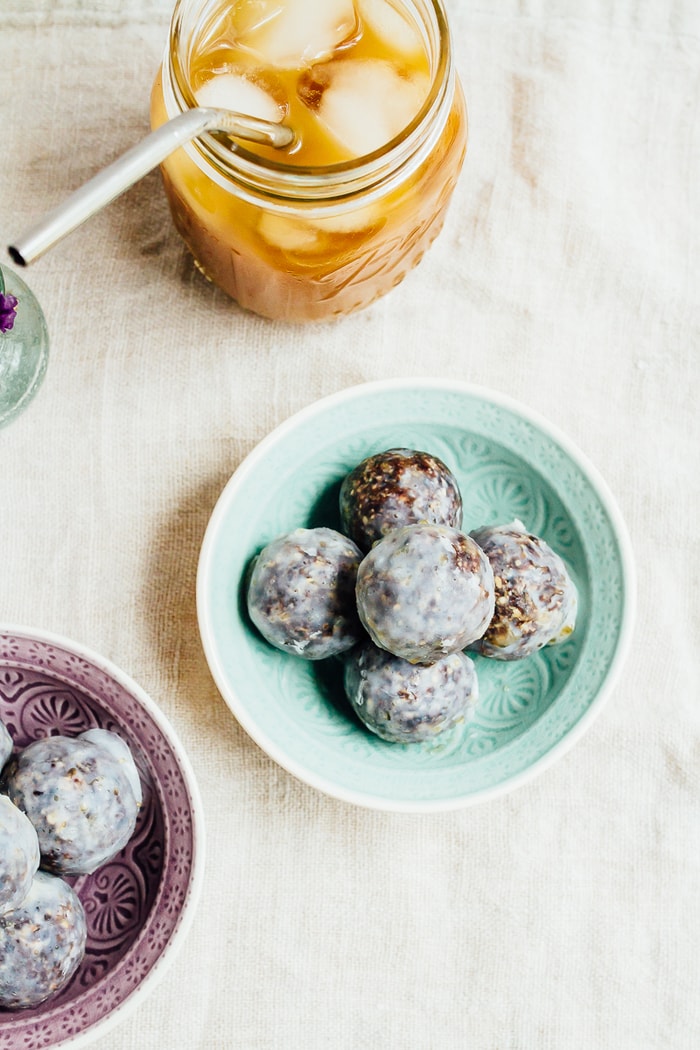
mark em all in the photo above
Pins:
pixel 133 165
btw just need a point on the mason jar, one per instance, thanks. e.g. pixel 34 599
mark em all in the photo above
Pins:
pixel 310 241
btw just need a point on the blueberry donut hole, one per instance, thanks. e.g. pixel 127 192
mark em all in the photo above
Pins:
pixel 536 599
pixel 301 593
pixel 42 943
pixel 19 855
pixel 398 487
pixel 424 591
pixel 409 703
pixel 80 796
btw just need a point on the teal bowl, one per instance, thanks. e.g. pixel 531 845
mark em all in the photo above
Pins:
pixel 510 463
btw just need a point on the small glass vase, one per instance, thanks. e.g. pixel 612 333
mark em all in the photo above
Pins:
pixel 24 348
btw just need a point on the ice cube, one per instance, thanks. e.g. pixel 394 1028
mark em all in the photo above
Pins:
pixel 392 26
pixel 356 220
pixel 288 234
pixel 303 234
pixel 294 33
pixel 368 102
pixel 247 16
pixel 238 93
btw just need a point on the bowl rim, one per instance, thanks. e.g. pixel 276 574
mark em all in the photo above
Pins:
pixel 160 968
pixel 322 405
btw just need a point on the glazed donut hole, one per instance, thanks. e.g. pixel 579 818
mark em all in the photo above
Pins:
pixel 301 593
pixel 82 795
pixel 425 591
pixel 409 703
pixel 394 488
pixel 536 599
pixel 42 943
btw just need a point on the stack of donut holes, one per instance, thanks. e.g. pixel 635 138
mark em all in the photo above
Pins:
pixel 403 594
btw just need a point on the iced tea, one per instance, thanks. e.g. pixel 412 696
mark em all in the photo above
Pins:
pixel 336 219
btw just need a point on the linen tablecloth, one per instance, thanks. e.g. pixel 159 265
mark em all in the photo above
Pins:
pixel 564 915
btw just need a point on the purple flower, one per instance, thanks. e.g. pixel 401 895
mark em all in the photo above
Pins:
pixel 8 306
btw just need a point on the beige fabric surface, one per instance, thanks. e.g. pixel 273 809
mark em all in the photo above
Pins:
pixel 564 916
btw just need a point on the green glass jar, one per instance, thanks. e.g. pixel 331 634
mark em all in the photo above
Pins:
pixel 24 345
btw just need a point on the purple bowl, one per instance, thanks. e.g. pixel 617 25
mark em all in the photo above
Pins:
pixel 140 904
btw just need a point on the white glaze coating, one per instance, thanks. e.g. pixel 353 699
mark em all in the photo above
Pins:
pixel 119 750
pixel 5 744
pixel 19 855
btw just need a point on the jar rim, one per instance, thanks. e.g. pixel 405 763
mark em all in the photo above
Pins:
pixel 235 160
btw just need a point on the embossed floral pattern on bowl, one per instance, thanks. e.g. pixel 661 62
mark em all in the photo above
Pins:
pixel 510 463
pixel 139 905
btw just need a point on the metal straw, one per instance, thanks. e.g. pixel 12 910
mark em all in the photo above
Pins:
pixel 133 165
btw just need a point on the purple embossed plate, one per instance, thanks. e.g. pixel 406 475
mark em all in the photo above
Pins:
pixel 138 906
